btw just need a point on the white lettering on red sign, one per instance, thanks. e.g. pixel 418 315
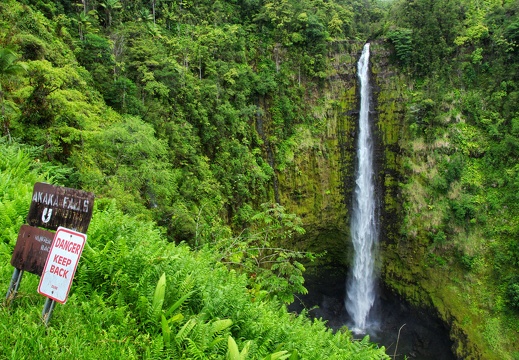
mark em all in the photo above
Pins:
pixel 61 264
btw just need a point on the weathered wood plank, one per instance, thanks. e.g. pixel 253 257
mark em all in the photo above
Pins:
pixel 31 249
pixel 54 206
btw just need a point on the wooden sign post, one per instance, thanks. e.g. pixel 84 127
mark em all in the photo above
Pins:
pixel 51 207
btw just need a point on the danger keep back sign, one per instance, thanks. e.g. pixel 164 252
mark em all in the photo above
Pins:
pixel 61 264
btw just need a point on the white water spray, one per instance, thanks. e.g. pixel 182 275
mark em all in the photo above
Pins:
pixel 364 232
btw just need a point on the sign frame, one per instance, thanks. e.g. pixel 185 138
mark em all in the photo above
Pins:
pixel 62 261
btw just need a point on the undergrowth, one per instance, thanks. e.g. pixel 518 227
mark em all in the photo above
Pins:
pixel 137 296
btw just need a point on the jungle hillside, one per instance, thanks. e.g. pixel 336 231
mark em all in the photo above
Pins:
pixel 217 138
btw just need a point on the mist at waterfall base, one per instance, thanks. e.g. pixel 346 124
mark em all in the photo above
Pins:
pixel 424 336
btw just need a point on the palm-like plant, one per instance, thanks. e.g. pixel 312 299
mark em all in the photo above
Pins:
pixel 145 15
pixel 84 22
pixel 149 20
pixel 110 6
pixel 8 68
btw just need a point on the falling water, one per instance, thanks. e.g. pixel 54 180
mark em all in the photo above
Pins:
pixel 364 233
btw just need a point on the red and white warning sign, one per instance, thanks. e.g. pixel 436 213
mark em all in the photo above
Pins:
pixel 61 264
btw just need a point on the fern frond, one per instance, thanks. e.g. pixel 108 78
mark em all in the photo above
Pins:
pixel 183 333
pixel 215 344
pixel 178 303
pixel 220 325
pixel 194 352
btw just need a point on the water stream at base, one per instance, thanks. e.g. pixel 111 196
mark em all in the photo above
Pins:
pixel 424 336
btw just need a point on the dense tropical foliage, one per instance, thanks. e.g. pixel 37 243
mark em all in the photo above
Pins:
pixel 138 296
pixel 461 211
pixel 181 117
pixel 156 107
pixel 155 103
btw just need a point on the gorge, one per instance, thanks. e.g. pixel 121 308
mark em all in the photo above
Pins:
pixel 363 304
pixel 231 126
pixel 420 254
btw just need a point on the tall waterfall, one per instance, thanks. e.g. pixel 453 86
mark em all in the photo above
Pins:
pixel 364 230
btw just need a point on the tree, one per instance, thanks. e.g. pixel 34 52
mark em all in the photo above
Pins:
pixel 58 105
pixel 84 22
pixel 110 6
pixel 130 165
pixel 434 25
pixel 512 34
pixel 402 41
pixel 8 68
pixel 273 271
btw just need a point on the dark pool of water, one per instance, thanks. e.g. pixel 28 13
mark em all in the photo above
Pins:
pixel 423 337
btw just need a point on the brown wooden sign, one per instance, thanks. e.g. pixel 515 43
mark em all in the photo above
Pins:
pixel 54 206
pixel 31 249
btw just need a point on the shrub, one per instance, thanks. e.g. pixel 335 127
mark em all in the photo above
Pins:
pixel 402 41
pixel 513 294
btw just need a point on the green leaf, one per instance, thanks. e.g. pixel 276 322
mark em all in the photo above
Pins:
pixel 179 302
pixel 176 318
pixel 220 325
pixel 278 355
pixel 233 353
pixel 185 330
pixel 166 331
pixel 158 298
pixel 294 355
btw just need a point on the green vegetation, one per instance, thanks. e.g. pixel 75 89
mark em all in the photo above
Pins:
pixel 204 126
pixel 180 117
pixel 138 296
pixel 200 92
pixel 458 246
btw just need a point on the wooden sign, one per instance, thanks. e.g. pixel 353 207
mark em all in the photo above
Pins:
pixel 31 249
pixel 54 206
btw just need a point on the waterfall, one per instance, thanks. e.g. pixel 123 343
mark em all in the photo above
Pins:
pixel 364 232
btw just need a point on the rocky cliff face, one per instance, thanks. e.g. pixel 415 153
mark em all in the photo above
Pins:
pixel 317 182
pixel 404 267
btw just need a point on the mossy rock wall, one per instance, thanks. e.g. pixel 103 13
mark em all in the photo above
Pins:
pixel 316 182
pixel 410 266
pixel 402 267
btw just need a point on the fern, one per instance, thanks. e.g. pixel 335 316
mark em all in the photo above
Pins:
pixel 166 328
pixel 178 303
pixel 193 351
pixel 220 325
pixel 16 181
pixel 183 333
